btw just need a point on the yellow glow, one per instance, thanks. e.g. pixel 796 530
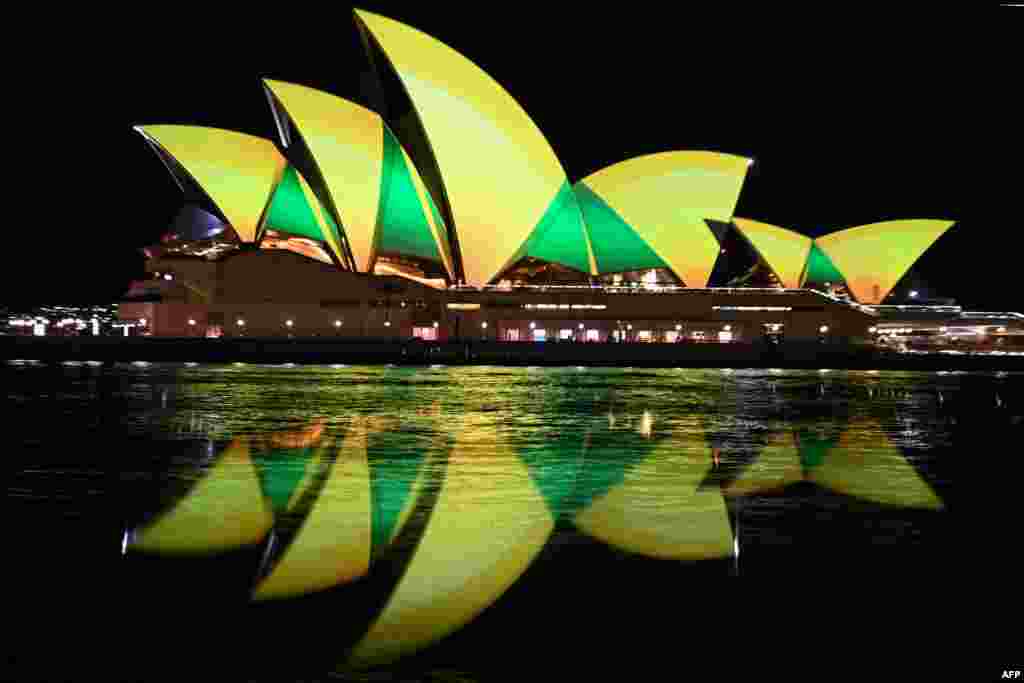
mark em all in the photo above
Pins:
pixel 866 464
pixel 225 511
pixel 665 198
pixel 488 524
pixel 347 143
pixel 499 171
pixel 777 466
pixel 785 250
pixel 874 257
pixel 333 545
pixel 658 511
pixel 237 171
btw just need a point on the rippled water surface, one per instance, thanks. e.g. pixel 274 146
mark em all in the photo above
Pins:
pixel 377 523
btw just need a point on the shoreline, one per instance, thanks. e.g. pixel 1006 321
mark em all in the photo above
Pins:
pixel 368 351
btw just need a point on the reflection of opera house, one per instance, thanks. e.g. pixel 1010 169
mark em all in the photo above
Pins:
pixel 446 213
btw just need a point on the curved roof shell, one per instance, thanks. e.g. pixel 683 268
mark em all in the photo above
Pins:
pixel 873 258
pixel 295 209
pixel 507 191
pixel 651 211
pixel 237 171
pixel 376 191
pixel 785 251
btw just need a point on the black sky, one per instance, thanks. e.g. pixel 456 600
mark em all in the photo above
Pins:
pixel 852 118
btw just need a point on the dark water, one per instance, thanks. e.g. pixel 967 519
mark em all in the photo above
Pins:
pixel 372 523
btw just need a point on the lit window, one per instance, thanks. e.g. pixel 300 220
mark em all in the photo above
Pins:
pixel 426 333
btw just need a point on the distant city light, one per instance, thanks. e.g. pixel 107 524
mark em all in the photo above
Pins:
pixel 289 323
pixel 387 323
pixel 913 294
pixel 823 329
pixel 191 321
pixel 168 276
pixel 678 327
pixel 533 325
pixel 435 323
pixel 142 321
pixel 241 323
pixel 484 324
pixel 727 327
pixel 337 323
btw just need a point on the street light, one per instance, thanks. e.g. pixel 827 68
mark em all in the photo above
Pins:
pixel 142 321
pixel 435 323
pixel 580 326
pixel 913 294
pixel 533 325
pixel 191 321
pixel 289 323
pixel 241 323
pixel 823 329
pixel 337 323
pixel 678 327
pixel 727 327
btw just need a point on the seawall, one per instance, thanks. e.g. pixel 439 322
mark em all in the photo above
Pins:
pixel 317 350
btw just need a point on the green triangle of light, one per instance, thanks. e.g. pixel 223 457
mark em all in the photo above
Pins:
pixel 820 268
pixel 617 247
pixel 401 226
pixel 290 212
pixel 559 236
pixel 280 473
pixel 813 448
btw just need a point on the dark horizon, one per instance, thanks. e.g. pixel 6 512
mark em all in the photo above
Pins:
pixel 860 120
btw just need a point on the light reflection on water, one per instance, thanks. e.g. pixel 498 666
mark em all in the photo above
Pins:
pixel 430 496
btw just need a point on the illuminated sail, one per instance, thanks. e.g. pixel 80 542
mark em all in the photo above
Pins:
pixel 408 223
pixel 346 143
pixel 649 211
pixel 225 511
pixel 874 257
pixel 784 250
pixel 508 194
pixel 487 525
pixel 235 170
pixel 295 209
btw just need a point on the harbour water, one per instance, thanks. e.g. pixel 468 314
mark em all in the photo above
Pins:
pixel 290 522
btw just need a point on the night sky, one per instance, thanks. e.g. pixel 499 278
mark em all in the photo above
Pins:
pixel 851 118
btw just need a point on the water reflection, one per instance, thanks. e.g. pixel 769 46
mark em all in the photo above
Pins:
pixel 436 502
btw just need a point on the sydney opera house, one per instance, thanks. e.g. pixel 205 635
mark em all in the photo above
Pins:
pixel 444 212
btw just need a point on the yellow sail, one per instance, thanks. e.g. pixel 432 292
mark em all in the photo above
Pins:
pixel 665 197
pixel 238 172
pixel 874 257
pixel 500 174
